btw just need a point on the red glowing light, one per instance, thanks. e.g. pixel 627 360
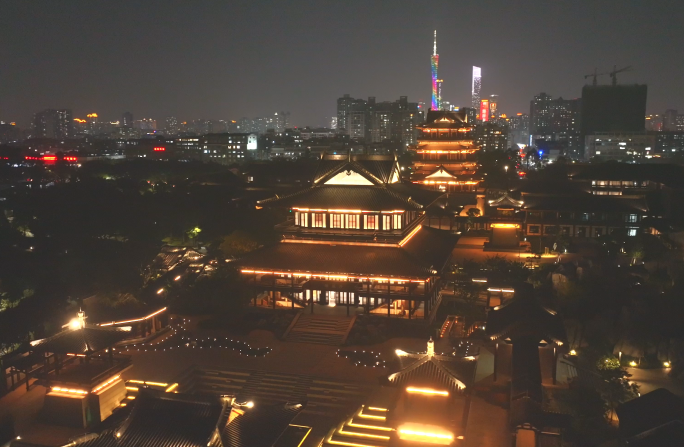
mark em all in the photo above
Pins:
pixel 484 110
pixel 159 149
pixel 70 159
pixel 49 157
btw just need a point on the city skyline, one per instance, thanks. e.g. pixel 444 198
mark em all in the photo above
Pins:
pixel 103 59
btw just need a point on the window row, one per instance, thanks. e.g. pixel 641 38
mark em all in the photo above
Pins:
pixel 351 221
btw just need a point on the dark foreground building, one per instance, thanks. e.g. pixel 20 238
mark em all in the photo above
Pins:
pixel 180 420
pixel 355 239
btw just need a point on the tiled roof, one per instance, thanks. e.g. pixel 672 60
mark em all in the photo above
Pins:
pixel 160 419
pixel 431 246
pixel 524 317
pixel 586 203
pixel 335 259
pixel 429 249
pixel 86 340
pixel 378 171
pixel 439 372
pixel 166 420
pixel 649 411
pixel 260 426
pixel 368 198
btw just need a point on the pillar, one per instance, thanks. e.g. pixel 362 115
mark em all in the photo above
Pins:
pixel 368 296
pixel 555 364
pixel 388 299
pixel 311 299
pixel 496 360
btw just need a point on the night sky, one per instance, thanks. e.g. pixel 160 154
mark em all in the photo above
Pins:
pixel 229 59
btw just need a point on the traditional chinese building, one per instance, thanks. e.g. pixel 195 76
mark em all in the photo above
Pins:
pixel 172 420
pixel 426 402
pixel 83 378
pixel 355 239
pixel 445 153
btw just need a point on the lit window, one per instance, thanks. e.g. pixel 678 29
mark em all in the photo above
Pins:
pixel 397 221
pixel 353 221
pixel 370 222
pixel 336 220
pixel 318 220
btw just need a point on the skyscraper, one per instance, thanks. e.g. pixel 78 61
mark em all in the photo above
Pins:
pixel 493 107
pixel 51 123
pixel 556 120
pixel 127 120
pixel 477 86
pixel 434 63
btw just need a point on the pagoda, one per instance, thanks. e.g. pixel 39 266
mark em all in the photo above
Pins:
pixel 355 240
pixel 445 153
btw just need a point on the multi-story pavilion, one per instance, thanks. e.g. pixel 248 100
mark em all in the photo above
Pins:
pixel 445 153
pixel 355 239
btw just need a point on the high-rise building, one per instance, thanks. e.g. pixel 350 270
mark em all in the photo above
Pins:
pixel 434 65
pixel 51 123
pixel 670 119
pixel 145 124
pixel 493 107
pixel 376 122
pixel 127 120
pixel 476 87
pixel 172 125
pixel 345 104
pixel 556 120
pixel 484 110
pixel 518 129
pixel 654 123
pixel 281 121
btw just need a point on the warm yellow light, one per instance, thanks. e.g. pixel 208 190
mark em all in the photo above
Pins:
pixel 160 291
pixel 68 390
pixel 365 435
pixel 370 416
pixel 177 278
pixel 400 353
pixel 632 363
pixel 130 397
pixel 410 235
pixel 135 320
pixel 504 225
pixel 426 434
pixel 349 444
pixel 666 364
pixel 109 382
pixel 369 427
pixel 573 352
pixel 377 409
pixel 132 388
pixel 172 387
pixel 75 324
pixel 249 404
pixel 427 391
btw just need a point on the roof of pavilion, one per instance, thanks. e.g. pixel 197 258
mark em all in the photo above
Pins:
pixel 357 183
pixel 429 249
pixel 348 197
pixel 524 316
pixel 84 340
pixel 438 371
pixel 444 119
pixel 179 420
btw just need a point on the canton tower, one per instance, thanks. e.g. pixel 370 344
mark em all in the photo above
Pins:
pixel 435 81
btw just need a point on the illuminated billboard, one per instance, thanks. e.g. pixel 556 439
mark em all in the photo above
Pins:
pixel 484 110
pixel 251 142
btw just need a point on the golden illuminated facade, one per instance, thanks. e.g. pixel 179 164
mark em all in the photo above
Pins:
pixel 445 153
pixel 355 239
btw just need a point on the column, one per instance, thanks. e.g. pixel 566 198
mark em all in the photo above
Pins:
pixel 496 360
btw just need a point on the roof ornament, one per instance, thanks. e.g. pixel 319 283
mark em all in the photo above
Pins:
pixel 431 348
pixel 79 321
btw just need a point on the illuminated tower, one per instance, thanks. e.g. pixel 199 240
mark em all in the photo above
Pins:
pixel 439 94
pixel 435 87
pixel 477 86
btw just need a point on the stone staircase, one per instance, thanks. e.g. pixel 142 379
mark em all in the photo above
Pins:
pixel 320 329
pixel 366 428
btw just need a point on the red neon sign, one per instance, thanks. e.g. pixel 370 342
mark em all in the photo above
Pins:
pixel 159 149
pixel 484 110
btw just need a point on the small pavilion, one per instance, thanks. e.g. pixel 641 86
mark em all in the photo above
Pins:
pixel 83 378
pixel 528 327
pixel 426 401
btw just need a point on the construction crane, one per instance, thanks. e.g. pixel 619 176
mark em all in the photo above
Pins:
pixel 594 75
pixel 615 72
